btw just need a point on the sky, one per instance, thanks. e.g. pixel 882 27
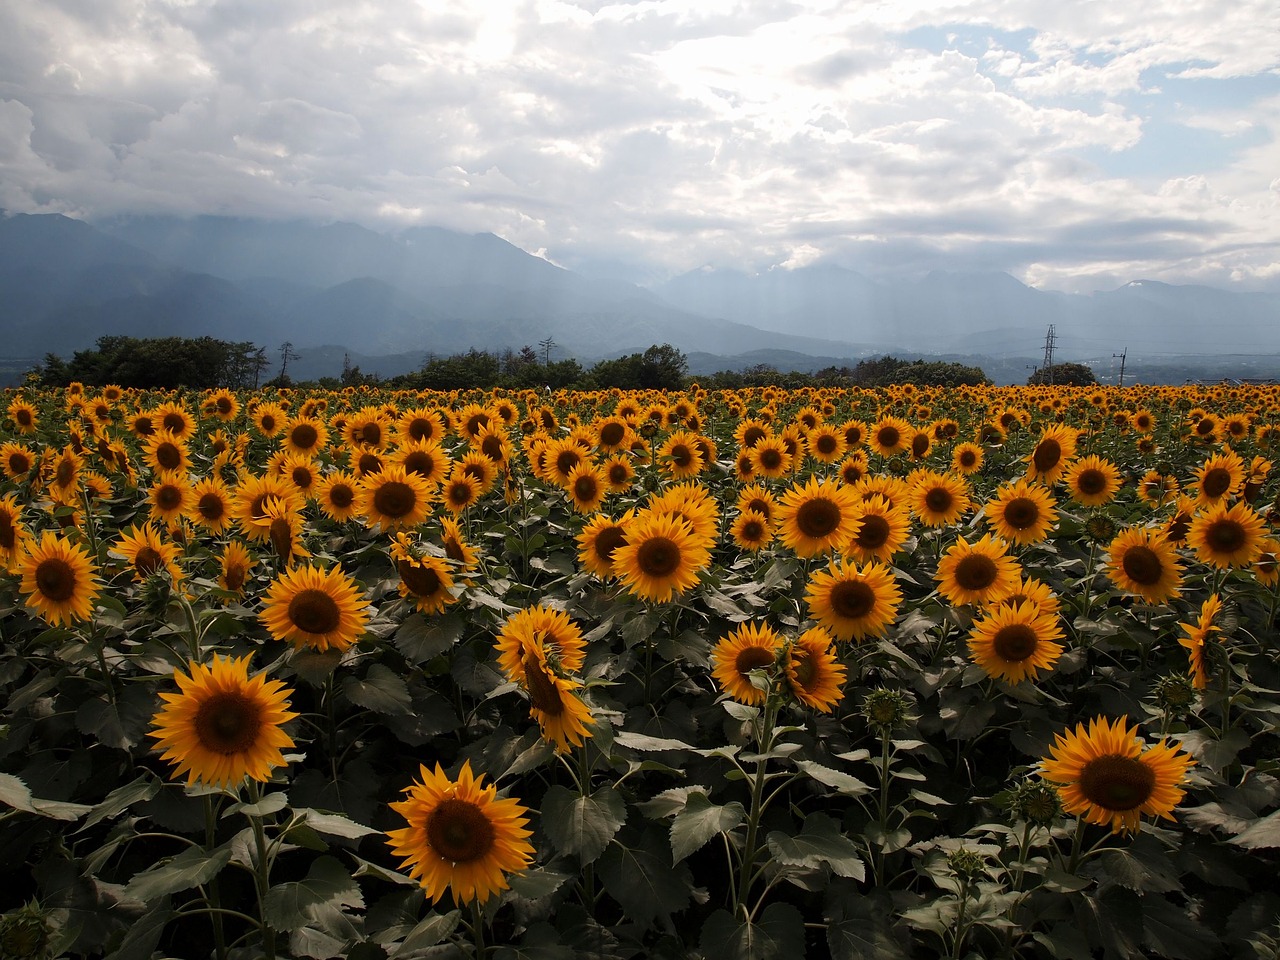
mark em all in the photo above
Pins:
pixel 1075 145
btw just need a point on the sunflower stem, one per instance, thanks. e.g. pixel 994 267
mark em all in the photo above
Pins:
pixel 214 897
pixel 882 812
pixel 193 629
pixel 764 741
pixel 1076 843
pixel 1088 579
pixel 261 874
pixel 477 930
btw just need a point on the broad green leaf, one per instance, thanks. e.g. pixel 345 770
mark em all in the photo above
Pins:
pixel 122 798
pixel 859 929
pixel 327 888
pixel 144 933
pixel 540 942
pixel 1169 932
pixel 14 793
pixel 639 741
pixel 431 931
pixel 1143 866
pixel 536 882
pixel 420 638
pixel 644 881
pixel 380 691
pixel 669 802
pixel 582 826
pixel 843 782
pixel 191 868
pixel 779 935
pixel 271 803
pixel 699 821
pixel 1265 833
pixel 334 824
pixel 820 841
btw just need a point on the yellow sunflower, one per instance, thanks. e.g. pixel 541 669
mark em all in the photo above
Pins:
pixel 1141 561
pixel 562 717
pixel 314 608
pixel 420 424
pixel 1105 774
pixel 825 443
pixel 16 459
pixel 223 725
pixel 882 529
pixel 758 498
pixel 1092 481
pixel 58 578
pixel 268 418
pixel 981 572
pixel 967 458
pixel 1031 590
pixel 619 474
pixel 211 508
pixel 234 567
pixel 751 647
pixel 1197 634
pixel 460 837
pixel 661 557
pixel 1156 489
pixel 306 436
pixel 284 523
pixel 1014 643
pixel 249 503
pixel 769 457
pixel 1226 537
pixel 854 603
pixel 1055 449
pixel 818 517
pixel 1220 477
pixel 890 436
pixel 691 502
pixel 24 416
pixel 599 539
pixel 680 455
pixel 939 499
pixel 425 580
pixel 751 530
pixel 460 491
pixel 145 553
pixel 814 675
pixel 394 499
pixel 540 625
pixel 13 532
pixel 338 494
pixel 1021 512
pixel 456 549
pixel 586 487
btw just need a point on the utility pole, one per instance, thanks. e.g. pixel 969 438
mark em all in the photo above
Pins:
pixel 1121 356
pixel 546 346
pixel 1050 339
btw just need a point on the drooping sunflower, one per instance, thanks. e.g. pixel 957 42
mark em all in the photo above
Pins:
pixel 817 517
pixel 338 494
pixel 980 572
pixel 460 837
pixel 313 608
pixel 234 567
pixel 1178 525
pixel 939 499
pixel 1053 452
pixel 854 602
pixel 751 647
pixel 600 537
pixel 1226 537
pixel 145 553
pixel 1197 634
pixel 425 580
pixel 1107 776
pixel 1266 569
pixel 1092 481
pixel 751 530
pixel 284 522
pixel 249 499
pixel 394 499
pixel 563 719
pixel 1014 643
pixel 814 675
pixel 456 548
pixel 882 529
pixel 661 557
pixel 58 578
pixel 1142 561
pixel 223 725
pixel 540 625
pixel 13 532
pixel 1021 512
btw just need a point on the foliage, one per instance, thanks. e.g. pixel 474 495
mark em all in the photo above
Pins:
pixel 159 363
pixel 660 367
pixel 1063 374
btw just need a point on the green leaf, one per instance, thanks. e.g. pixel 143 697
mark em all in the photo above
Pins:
pixel 778 936
pixel 1143 866
pixel 540 942
pixel 848 785
pixel 271 803
pixel 536 882
pixel 699 821
pixel 122 798
pixel 380 691
pixel 740 711
pixel 889 841
pixel 639 741
pixel 644 881
pixel 1264 833
pixel 431 931
pixel 420 638
pixel 859 929
pixel 14 793
pixel 820 841
pixel 327 888
pixel 333 824
pixel 1169 932
pixel 191 868
pixel 144 934
pixel 582 826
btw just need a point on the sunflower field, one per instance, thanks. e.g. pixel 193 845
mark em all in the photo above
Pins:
pixel 893 673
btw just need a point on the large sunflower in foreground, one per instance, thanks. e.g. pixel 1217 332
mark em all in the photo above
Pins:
pixel 314 608
pixel 58 578
pixel 978 572
pixel 1105 774
pixel 1021 512
pixel 752 646
pixel 1014 643
pixel 853 602
pixel 1143 562
pixel 1226 537
pixel 223 725
pixel 394 499
pixel 814 674
pixel 817 517
pixel 661 558
pixel 460 837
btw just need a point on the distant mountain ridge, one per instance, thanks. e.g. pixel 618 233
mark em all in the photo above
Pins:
pixel 64 283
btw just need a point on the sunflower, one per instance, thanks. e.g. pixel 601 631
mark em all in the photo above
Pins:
pixel 283 519
pixel 303 472
pixel 562 717
pixel 825 443
pixel 619 474
pixel 419 424
pixel 1197 634
pixel 661 557
pixel 1142 561
pixel 480 467
pixel 145 553
pixel 890 436
pixel 690 502
pixel 460 491
pixel 211 505
pixel 1092 481
pixel 234 567
pixel 586 488
pixel 1015 642
pixel 494 443
pixel 749 648
pixel 1178 525
pixel 939 499
pixel 814 674
pixel 817 517
pixel 394 499
pixel 1266 569
pixel 164 451
pixel 967 458
pixel 368 429
pixel 64 469
pixel 249 499
pixel 977 573
pixel 268 418
pixel 1055 449
pixel 24 416
pixel 1105 774
pixel 223 725
pixel 853 603
pixel 600 537
pixel 751 530
pixel 560 638
pixel 1021 512
pixel 470 421
pixel 1220 477
pixel 425 580
pixel 16 459
pixel 855 433
pixel 314 608
pixel 770 457
pixel 751 431
pixel 13 533
pixel 174 418
pixel 171 498
pixel 1156 489
pixel 338 494
pixel 1226 537
pixel 58 578
pixel 853 468
pixel 758 498
pixel 456 548
pixel 680 455
pixel 460 837
pixel 882 529
pixel 307 436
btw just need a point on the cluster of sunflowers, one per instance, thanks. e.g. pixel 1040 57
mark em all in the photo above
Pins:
pixel 743 589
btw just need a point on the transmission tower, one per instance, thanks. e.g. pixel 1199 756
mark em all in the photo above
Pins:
pixel 1121 356
pixel 1050 339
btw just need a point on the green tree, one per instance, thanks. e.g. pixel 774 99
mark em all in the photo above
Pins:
pixel 1063 374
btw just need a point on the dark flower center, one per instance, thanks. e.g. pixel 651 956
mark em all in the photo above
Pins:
pixel 303 477
pixel 1047 454
pixel 19 463
pixel 939 500
pixel 874 532
pixel 1225 536
pixel 420 462
pixel 770 459
pixel 341 495
pixel 566 460
pixel 304 436
pixel 460 494
pixel 888 437
pixel 394 499
pixel 1091 482
pixel 1216 482
pixel 174 422
pixel 818 518
pixel 1014 642
pixel 234 576
pixel 658 557
pixel 752 531
pixel 55 579
pixel 852 599
pixel 314 611
pixel 752 658
pixel 228 723
pixel 826 444
pixel 1142 565
pixel 753 435
pixel 369 463
pixel 585 489
pixel 609 540
pixel 371 433
pixel 1115 782
pixel 491 447
pixel 8 532
pixel 803 669
pixel 147 560
pixel 1021 513
pixel 611 434
pixel 459 831
pixel 543 693
pixel 976 571
pixel 168 497
pixel 267 423
pixel 65 474
pixel 422 581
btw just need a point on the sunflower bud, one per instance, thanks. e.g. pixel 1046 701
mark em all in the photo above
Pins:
pixel 886 709
pixel 1175 694
pixel 1035 801
pixel 25 933
pixel 1101 528
pixel 968 865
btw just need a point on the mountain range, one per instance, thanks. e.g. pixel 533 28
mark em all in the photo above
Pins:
pixel 388 300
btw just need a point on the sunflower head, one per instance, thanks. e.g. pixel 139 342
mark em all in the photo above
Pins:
pixel 886 709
